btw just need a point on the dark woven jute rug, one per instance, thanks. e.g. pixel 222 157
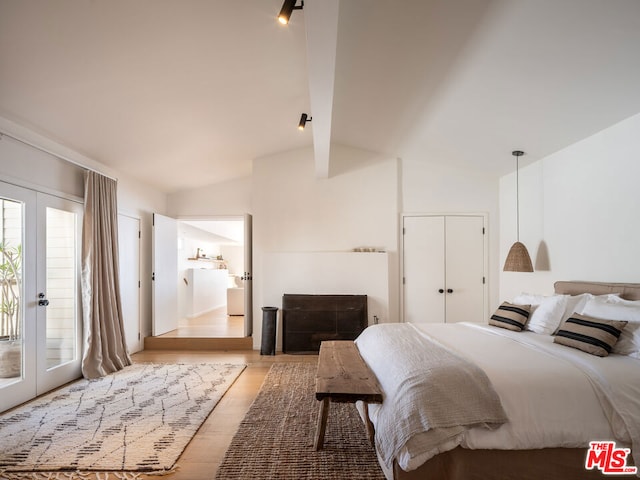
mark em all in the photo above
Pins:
pixel 275 439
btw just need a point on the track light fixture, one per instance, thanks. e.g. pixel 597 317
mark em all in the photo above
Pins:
pixel 304 118
pixel 287 7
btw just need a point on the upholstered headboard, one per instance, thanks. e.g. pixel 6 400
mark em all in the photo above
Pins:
pixel 628 291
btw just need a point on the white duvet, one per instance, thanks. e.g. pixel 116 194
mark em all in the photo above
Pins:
pixel 554 396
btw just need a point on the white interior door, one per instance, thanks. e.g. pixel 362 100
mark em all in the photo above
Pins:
pixel 423 269
pixel 129 264
pixel 165 268
pixel 465 277
pixel 248 275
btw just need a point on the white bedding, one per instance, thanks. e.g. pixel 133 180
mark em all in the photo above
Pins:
pixel 554 396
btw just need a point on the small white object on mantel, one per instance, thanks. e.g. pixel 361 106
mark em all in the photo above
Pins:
pixel 368 250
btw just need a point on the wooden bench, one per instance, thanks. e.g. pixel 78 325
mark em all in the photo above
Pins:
pixel 343 376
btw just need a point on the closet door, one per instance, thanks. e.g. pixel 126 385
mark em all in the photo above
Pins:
pixel 464 278
pixel 424 269
pixel 443 268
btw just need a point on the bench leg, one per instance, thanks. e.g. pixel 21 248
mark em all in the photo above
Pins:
pixel 369 424
pixel 322 423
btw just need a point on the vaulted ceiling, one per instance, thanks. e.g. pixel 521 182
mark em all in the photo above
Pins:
pixel 182 94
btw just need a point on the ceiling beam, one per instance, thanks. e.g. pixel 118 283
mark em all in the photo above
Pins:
pixel 321 24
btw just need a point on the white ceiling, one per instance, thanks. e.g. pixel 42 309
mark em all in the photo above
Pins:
pixel 185 93
pixel 225 231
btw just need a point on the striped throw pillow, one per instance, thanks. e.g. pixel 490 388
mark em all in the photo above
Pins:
pixel 591 335
pixel 510 316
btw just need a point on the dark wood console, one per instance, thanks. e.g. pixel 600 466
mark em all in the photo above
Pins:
pixel 307 320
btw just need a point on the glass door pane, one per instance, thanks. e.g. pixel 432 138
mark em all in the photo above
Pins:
pixel 58 317
pixel 17 291
pixel 11 291
pixel 61 287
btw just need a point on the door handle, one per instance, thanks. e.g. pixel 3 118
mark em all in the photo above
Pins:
pixel 441 291
pixel 43 302
pixel 449 290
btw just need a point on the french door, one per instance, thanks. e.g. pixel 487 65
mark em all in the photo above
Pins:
pixel 40 320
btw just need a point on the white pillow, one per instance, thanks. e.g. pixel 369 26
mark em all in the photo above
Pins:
pixel 576 303
pixel 611 307
pixel 546 312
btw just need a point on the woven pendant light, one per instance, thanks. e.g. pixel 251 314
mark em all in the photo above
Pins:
pixel 518 259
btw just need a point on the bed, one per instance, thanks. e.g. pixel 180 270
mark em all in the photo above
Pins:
pixel 552 399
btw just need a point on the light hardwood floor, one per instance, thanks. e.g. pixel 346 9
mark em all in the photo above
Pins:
pixel 215 323
pixel 205 452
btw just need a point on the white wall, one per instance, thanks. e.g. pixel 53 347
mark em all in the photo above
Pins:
pixel 358 205
pixel 234 258
pixel 428 187
pixel 227 198
pixel 206 290
pixel 578 213
pixel 32 168
pixel 142 201
pixel 189 240
pixel 294 212
pixel 328 273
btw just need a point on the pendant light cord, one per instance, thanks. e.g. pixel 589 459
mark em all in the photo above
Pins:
pixel 518 197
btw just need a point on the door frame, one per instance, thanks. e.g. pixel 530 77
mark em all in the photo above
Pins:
pixel 485 221
pixel 248 275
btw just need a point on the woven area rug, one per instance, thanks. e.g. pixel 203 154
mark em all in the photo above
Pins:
pixel 139 419
pixel 275 439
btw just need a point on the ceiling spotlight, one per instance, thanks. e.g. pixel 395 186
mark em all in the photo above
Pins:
pixel 304 118
pixel 287 7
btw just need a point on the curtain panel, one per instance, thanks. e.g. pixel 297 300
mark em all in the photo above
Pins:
pixel 105 349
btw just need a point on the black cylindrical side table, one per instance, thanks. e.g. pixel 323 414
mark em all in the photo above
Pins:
pixel 268 345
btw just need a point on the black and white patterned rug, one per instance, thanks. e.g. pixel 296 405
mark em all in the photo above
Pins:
pixel 137 420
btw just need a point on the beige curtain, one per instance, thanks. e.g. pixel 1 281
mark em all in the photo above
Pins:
pixel 105 350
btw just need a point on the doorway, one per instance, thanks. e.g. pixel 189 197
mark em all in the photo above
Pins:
pixel 201 266
pixel 211 277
